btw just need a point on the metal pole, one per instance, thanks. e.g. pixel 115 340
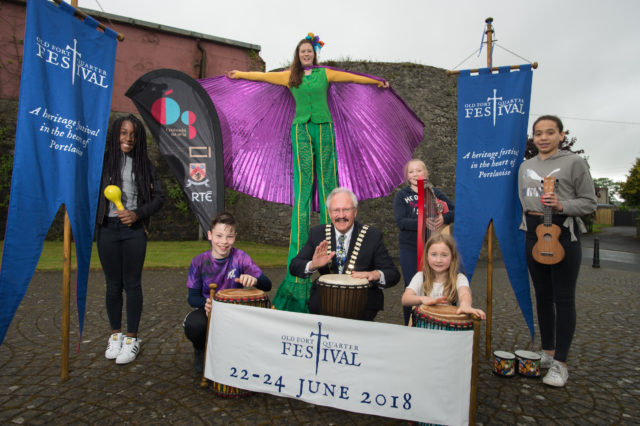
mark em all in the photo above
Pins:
pixel 596 253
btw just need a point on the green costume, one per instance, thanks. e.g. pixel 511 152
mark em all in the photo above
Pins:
pixel 313 145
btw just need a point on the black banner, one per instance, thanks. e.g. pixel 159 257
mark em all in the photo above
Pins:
pixel 184 121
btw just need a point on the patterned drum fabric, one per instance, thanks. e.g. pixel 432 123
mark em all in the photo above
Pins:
pixel 528 363
pixel 504 364
pixel 441 317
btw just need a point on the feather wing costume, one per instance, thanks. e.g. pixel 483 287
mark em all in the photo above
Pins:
pixel 376 134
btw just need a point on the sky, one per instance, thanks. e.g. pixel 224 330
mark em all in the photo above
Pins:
pixel 587 50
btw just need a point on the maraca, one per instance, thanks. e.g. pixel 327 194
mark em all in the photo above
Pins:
pixel 113 194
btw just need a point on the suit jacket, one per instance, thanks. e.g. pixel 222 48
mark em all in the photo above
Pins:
pixel 373 255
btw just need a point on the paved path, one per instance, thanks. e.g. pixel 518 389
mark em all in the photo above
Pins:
pixel 160 387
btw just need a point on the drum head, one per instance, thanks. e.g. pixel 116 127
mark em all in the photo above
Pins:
pixel 443 313
pixel 342 280
pixel 522 354
pixel 238 294
pixel 503 355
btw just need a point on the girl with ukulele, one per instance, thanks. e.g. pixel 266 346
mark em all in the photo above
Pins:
pixel 553 248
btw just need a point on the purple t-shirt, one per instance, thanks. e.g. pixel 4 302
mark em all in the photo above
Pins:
pixel 205 270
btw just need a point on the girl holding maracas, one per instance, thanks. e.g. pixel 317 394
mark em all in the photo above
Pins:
pixel 122 229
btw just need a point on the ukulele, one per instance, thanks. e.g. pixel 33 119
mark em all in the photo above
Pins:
pixel 548 249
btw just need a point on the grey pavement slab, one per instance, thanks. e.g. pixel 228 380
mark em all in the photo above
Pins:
pixel 161 388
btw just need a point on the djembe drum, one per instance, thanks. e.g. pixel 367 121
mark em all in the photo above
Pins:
pixel 342 296
pixel 238 296
pixel 441 317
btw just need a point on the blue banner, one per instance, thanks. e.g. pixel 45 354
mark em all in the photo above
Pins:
pixel 63 113
pixel 493 112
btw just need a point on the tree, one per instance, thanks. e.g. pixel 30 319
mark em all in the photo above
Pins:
pixel 612 187
pixel 630 190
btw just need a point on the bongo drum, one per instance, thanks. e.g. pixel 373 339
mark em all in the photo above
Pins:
pixel 441 317
pixel 342 296
pixel 238 296
pixel 504 364
pixel 528 363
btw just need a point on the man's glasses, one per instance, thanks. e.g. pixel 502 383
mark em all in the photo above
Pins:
pixel 343 211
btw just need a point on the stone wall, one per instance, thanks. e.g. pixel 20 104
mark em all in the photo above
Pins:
pixel 427 90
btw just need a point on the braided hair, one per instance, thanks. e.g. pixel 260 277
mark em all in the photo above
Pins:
pixel 113 158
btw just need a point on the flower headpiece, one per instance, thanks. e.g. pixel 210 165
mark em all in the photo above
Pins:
pixel 315 41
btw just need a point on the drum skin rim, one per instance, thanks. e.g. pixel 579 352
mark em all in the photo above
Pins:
pixel 448 319
pixel 344 286
pixel 504 355
pixel 526 354
pixel 240 294
pixel 351 282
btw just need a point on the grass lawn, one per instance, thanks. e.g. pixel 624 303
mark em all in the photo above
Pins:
pixel 166 254
pixel 597 227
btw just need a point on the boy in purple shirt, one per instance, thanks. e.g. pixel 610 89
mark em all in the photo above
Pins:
pixel 224 265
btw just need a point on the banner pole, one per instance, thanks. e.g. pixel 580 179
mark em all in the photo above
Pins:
pixel 475 70
pixel 81 15
pixel 66 296
pixel 66 287
pixel 490 229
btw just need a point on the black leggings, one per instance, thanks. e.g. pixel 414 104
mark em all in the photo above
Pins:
pixel 122 250
pixel 195 328
pixel 409 266
pixel 555 288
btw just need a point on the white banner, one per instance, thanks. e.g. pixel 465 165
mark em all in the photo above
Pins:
pixel 374 368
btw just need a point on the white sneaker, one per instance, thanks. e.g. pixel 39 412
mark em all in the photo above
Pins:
pixel 130 350
pixel 546 360
pixel 113 346
pixel 557 375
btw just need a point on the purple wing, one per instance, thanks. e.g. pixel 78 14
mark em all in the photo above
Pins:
pixel 376 134
pixel 255 119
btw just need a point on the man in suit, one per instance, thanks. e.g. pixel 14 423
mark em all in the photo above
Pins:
pixel 346 246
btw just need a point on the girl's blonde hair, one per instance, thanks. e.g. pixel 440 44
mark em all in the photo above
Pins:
pixel 450 290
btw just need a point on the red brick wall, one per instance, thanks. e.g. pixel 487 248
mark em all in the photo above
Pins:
pixel 142 50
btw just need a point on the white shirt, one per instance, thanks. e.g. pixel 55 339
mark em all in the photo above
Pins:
pixel 438 288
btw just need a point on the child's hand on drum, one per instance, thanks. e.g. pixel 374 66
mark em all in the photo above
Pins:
pixel 466 309
pixel 247 280
pixel 207 306
pixel 426 300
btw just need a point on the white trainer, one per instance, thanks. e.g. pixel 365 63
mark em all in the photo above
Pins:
pixel 113 346
pixel 557 375
pixel 546 360
pixel 130 350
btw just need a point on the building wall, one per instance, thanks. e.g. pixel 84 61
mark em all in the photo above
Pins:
pixel 146 47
